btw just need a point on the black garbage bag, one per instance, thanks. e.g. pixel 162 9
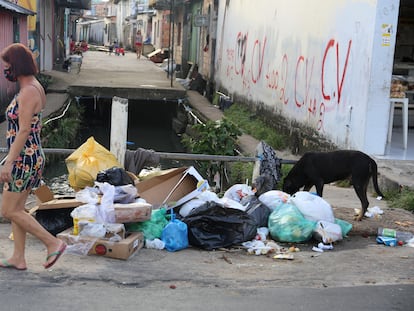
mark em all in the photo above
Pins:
pixel 55 220
pixel 116 176
pixel 256 209
pixel 212 226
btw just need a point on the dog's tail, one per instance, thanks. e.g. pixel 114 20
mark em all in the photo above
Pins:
pixel 374 173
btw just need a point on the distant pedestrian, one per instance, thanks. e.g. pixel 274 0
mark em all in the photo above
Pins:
pixel 23 167
pixel 138 43
pixel 111 48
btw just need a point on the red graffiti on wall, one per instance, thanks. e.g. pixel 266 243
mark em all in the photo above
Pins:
pixel 339 81
pixel 274 77
pixel 308 90
pixel 257 72
pixel 308 71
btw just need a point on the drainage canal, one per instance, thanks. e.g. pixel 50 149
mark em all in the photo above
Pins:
pixel 155 125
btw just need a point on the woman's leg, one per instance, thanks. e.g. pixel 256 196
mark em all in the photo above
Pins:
pixel 13 208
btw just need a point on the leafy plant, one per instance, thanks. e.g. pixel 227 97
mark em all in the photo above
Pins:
pixel 61 131
pixel 219 138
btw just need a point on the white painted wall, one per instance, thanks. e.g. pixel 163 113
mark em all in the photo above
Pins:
pixel 46 24
pixel 323 63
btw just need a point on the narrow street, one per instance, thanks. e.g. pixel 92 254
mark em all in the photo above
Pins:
pixel 377 277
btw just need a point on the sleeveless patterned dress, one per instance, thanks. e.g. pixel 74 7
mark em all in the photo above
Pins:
pixel 28 167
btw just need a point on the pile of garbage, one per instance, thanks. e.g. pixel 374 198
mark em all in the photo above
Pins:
pixel 114 213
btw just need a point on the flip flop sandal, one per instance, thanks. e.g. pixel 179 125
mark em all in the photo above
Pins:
pixel 57 255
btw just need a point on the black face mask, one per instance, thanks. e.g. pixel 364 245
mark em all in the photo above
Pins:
pixel 9 75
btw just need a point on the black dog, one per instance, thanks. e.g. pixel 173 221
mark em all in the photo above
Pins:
pixel 319 168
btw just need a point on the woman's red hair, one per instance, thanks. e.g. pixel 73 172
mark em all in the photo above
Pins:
pixel 20 59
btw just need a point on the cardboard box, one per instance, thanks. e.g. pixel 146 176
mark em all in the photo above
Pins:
pixel 173 187
pixel 47 200
pixel 123 249
pixel 132 212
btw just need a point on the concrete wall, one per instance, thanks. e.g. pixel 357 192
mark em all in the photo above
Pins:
pixel 325 64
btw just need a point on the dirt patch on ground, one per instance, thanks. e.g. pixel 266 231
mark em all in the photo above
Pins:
pixel 345 203
pixel 398 219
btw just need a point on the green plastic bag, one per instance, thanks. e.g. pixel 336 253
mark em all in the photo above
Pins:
pixel 287 224
pixel 152 228
pixel 345 226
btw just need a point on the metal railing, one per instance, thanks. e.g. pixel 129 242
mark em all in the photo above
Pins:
pixel 172 156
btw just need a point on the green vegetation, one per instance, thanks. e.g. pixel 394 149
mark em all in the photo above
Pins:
pixel 44 80
pixel 62 132
pixel 401 199
pixel 217 138
pixel 252 125
pixel 239 172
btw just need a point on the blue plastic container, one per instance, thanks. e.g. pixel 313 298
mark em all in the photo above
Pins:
pixel 389 241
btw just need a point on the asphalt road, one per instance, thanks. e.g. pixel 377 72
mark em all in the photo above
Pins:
pixel 104 296
pixel 358 274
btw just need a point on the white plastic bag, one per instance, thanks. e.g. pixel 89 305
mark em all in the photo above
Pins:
pixel 125 194
pixel 88 195
pixel 238 191
pixel 230 203
pixel 83 213
pixel 208 196
pixel 106 211
pixel 86 212
pixel 327 232
pixel 187 207
pixel 95 230
pixel 273 199
pixel 312 206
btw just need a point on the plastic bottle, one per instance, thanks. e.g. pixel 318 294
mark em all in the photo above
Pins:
pixel 399 235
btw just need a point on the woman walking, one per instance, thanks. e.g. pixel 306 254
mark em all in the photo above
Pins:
pixel 22 170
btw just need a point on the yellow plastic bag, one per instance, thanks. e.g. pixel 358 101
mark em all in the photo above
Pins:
pixel 85 162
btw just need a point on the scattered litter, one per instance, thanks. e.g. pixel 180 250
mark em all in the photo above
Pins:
pixel 325 247
pixel 284 256
pixel 293 249
pixel 262 233
pixel 388 241
pixel 257 247
pixel 374 212
pixel 410 243
pixel 317 249
pixel 155 243
pixel 405 223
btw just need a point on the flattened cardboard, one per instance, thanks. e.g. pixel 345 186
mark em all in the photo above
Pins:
pixel 123 249
pixel 172 188
pixel 47 200
pixel 60 203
